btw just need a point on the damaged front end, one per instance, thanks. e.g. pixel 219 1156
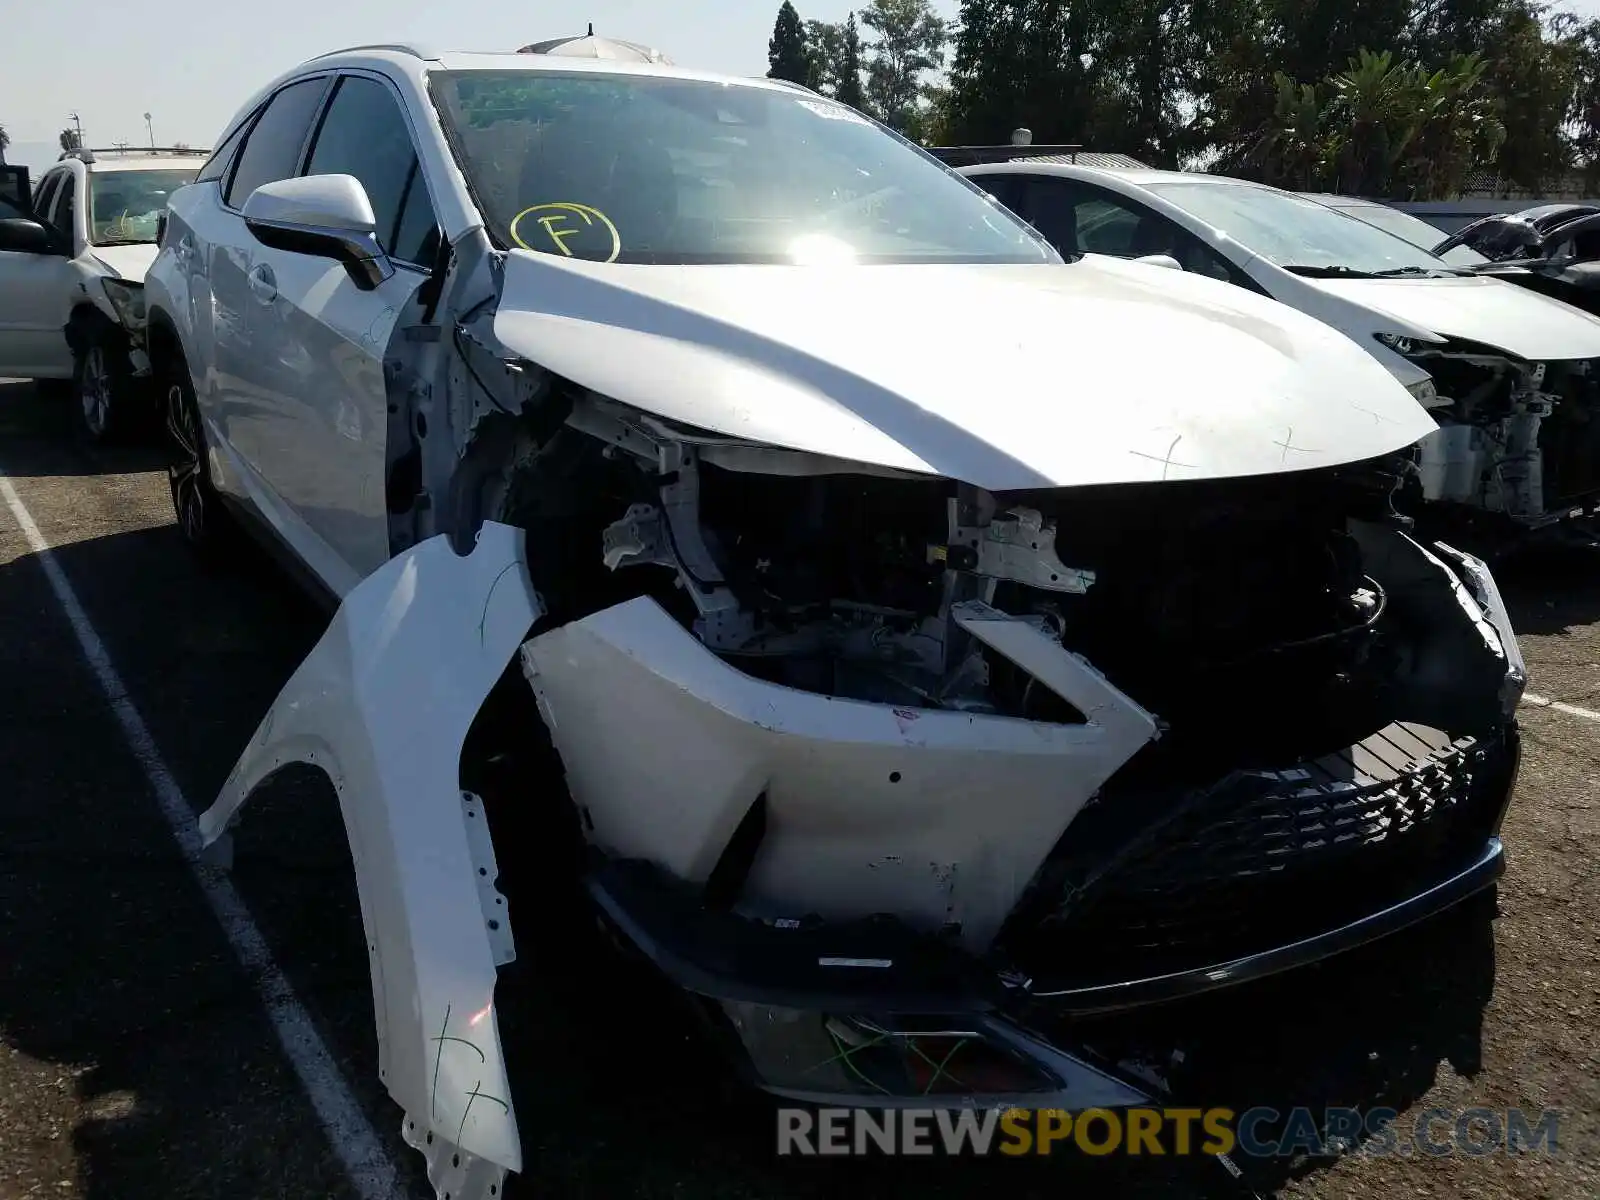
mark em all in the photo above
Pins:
pixel 893 773
pixel 1519 439
pixel 894 763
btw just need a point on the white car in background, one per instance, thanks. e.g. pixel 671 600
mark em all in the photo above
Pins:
pixel 899 632
pixel 1402 224
pixel 72 279
pixel 1512 377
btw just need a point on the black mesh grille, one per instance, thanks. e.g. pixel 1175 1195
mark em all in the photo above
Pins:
pixel 1264 858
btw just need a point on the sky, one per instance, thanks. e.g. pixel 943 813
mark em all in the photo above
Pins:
pixel 192 63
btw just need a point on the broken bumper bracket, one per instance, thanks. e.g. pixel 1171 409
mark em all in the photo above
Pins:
pixel 858 1014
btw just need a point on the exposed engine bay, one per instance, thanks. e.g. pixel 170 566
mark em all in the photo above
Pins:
pixel 1517 438
pixel 1200 600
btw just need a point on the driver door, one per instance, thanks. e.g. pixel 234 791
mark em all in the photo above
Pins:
pixel 35 290
pixel 317 380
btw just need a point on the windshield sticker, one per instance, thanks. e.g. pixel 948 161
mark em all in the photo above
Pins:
pixel 575 230
pixel 834 112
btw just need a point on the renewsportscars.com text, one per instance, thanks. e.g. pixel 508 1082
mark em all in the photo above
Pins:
pixel 1253 1132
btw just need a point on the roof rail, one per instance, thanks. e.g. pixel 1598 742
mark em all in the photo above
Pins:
pixel 90 154
pixel 971 156
pixel 398 47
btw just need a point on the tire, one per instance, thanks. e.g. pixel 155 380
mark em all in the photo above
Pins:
pixel 203 523
pixel 105 395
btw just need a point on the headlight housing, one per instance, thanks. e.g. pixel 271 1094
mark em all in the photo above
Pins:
pixel 127 298
pixel 1398 342
pixel 1423 391
pixel 1475 575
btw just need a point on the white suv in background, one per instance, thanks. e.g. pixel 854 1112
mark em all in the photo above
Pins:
pixel 1511 376
pixel 72 278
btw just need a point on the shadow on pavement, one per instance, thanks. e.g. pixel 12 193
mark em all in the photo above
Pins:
pixel 27 412
pixel 115 980
pixel 1552 591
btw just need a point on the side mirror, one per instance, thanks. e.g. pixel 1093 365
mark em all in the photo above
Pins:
pixel 23 235
pixel 1160 260
pixel 328 216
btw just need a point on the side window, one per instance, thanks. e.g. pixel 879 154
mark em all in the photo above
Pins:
pixel 364 134
pixel 1075 221
pixel 272 147
pixel 1107 228
pixel 1201 259
pixel 45 194
pixel 1500 239
pixel 1005 188
pixel 65 216
pixel 1586 245
pixel 416 238
pixel 1582 244
pixel 222 158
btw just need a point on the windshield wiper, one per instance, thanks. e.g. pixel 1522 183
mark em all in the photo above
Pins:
pixel 109 241
pixel 1328 272
pixel 1418 272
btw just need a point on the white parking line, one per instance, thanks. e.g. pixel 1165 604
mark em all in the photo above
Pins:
pixel 1572 710
pixel 366 1161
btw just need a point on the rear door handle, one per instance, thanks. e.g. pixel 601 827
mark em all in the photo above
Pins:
pixel 263 284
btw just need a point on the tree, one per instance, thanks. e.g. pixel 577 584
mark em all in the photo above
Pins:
pixel 1583 113
pixel 1024 62
pixel 70 140
pixel 834 51
pixel 847 77
pixel 1382 128
pixel 786 51
pixel 5 143
pixel 910 41
pixel 1533 79
pixel 824 54
pixel 1148 57
pixel 1192 82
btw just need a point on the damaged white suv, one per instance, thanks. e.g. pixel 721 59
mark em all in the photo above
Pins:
pixel 929 640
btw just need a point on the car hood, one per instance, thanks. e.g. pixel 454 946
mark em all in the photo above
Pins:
pixel 1006 377
pixel 129 262
pixel 1476 308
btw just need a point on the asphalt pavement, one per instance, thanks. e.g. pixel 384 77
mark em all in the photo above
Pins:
pixel 141 1058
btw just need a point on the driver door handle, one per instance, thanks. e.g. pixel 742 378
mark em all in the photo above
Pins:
pixel 263 284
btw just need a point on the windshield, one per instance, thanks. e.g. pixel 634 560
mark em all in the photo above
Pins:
pixel 641 169
pixel 1293 231
pixel 1415 230
pixel 124 206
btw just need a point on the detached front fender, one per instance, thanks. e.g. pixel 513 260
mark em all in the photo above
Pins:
pixel 383 705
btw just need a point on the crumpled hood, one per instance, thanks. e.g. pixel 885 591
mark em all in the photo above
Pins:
pixel 1477 308
pixel 1006 377
pixel 129 262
